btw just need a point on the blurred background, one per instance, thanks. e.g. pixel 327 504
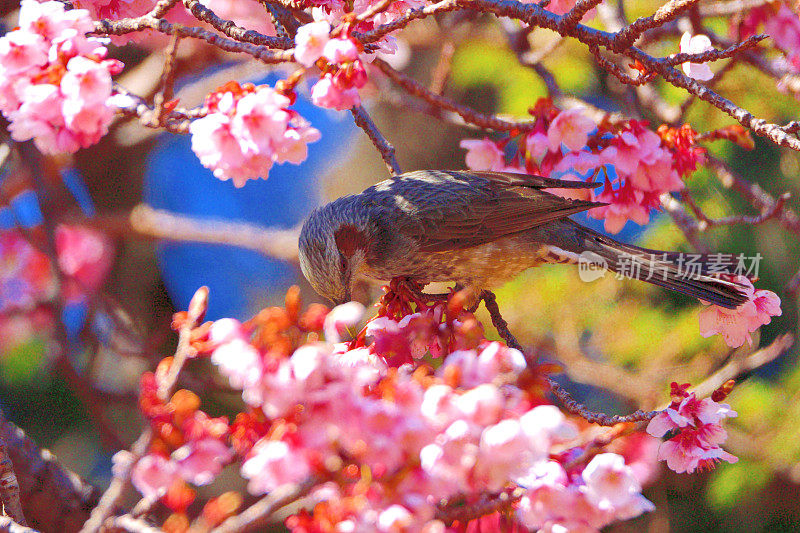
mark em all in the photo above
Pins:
pixel 69 373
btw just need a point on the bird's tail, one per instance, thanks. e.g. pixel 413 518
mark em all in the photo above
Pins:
pixel 701 276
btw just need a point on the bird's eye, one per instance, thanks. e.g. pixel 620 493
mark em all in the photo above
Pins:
pixel 342 262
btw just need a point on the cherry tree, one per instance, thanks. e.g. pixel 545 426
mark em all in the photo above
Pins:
pixel 414 414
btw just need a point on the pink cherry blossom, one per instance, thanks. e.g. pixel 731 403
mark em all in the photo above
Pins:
pixel 611 485
pixel 415 434
pixel 247 130
pixel 310 41
pixel 55 81
pixel 536 143
pixel 340 51
pixel 784 28
pixel 200 461
pixel 85 256
pixel 698 423
pixel 696 44
pixel 153 474
pixel 482 154
pixel 736 325
pixel 624 204
pixel 570 127
pixel 327 93
pixel 273 463
pixel 341 319
pixel 560 7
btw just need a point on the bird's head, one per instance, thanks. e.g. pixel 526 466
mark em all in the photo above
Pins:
pixel 332 251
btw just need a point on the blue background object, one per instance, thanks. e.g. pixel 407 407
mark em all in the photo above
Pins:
pixel 239 279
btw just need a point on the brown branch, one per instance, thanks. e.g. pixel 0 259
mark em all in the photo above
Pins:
pixel 685 222
pixel 229 28
pixel 612 68
pixel 9 486
pixel 165 93
pixel 384 147
pixel 129 25
pixel 197 310
pixel 258 515
pixel 593 417
pixel 131 524
pixel 401 22
pixel 669 11
pixel 277 243
pixel 714 55
pixel 753 193
pixel 740 366
pixel 706 222
pixel 111 498
pixel 53 497
pixel 574 15
pixel 499 323
pixel 457 509
pixel 374 9
pixel 441 72
pixel 469 115
pixel 113 495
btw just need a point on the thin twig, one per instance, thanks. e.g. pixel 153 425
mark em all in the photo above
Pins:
pixel 259 514
pixel 469 115
pixel 165 92
pixel 111 498
pixel 707 222
pixel 384 147
pixel 741 366
pixel 272 242
pixel 230 29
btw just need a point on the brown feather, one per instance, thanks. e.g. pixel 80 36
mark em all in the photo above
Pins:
pixel 479 207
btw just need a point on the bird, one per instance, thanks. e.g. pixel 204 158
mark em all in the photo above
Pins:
pixel 477 229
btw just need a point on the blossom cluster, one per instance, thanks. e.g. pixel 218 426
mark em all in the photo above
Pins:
pixel 781 23
pixel 247 129
pixel 418 423
pixel 696 431
pixel 55 82
pixel 568 145
pixel 28 283
pixel 736 325
pixel 343 72
pixel 639 164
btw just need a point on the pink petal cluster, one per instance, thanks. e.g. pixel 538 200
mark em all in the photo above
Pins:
pixel 339 84
pixel 310 42
pixel 55 82
pixel 567 144
pixel 570 128
pixel 247 130
pixel 85 257
pixel 188 445
pixel 699 432
pixel 736 325
pixel 26 278
pixel 466 428
pixel 645 169
pixel 696 44
pixel 605 491
pixel 483 154
pixel 784 28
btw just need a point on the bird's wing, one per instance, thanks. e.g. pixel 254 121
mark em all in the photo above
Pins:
pixel 453 210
